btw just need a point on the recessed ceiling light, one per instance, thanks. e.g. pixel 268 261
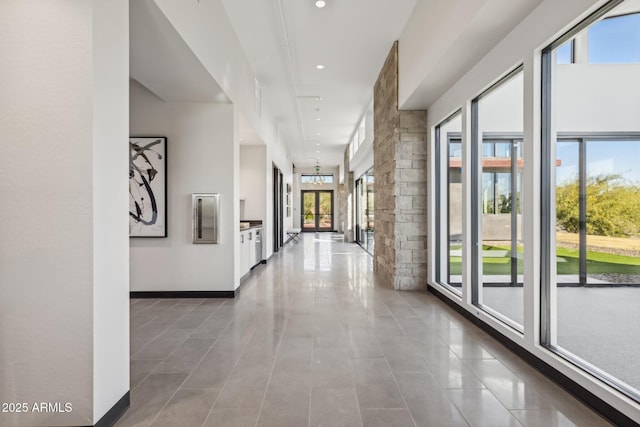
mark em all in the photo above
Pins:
pixel 318 152
pixel 318 119
pixel 318 98
pixel 320 67
pixel 318 134
pixel 317 143
pixel 321 3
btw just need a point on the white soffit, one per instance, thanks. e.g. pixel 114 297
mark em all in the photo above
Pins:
pixel 444 39
pixel 161 61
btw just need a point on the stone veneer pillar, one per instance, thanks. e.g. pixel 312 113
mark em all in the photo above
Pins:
pixel 400 172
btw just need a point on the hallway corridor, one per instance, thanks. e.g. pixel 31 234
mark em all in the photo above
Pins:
pixel 311 340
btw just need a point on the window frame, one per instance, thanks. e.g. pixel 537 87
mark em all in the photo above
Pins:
pixel 439 152
pixel 547 196
pixel 476 191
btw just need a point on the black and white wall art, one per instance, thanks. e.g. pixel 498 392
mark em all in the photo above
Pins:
pixel 148 187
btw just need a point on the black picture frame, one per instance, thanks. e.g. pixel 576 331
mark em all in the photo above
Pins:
pixel 147 186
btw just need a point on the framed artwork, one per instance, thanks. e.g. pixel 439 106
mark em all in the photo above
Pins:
pixel 148 186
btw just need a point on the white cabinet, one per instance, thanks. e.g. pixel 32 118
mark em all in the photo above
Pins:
pixel 245 244
pixel 252 248
pixel 248 255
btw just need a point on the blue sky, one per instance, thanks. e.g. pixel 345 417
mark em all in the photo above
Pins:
pixel 611 41
pixel 615 40
pixel 603 157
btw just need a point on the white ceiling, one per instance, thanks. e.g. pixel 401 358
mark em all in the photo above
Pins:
pixel 284 40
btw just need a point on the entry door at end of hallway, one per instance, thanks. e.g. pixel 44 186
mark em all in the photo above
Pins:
pixel 317 210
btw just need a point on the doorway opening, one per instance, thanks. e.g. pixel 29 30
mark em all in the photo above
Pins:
pixel 278 220
pixel 317 210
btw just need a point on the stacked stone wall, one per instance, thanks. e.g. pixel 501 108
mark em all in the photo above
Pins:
pixel 400 171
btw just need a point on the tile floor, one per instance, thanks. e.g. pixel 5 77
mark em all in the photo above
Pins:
pixel 313 340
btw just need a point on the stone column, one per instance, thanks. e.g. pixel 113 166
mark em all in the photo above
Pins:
pixel 400 171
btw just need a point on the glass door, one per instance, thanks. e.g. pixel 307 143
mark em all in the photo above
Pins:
pixel 317 210
pixel 361 221
pixel 369 228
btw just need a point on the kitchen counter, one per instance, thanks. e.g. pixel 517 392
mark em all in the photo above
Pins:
pixel 252 224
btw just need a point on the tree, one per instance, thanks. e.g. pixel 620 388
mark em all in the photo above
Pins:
pixel 613 206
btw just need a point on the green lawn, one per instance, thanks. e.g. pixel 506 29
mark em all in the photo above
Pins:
pixel 597 262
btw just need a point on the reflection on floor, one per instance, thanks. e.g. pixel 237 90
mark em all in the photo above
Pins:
pixel 313 340
pixel 597 324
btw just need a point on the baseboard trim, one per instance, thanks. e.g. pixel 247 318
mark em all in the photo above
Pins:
pixel 577 390
pixel 182 294
pixel 116 411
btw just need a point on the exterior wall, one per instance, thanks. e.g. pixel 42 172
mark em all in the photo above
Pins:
pixel 400 159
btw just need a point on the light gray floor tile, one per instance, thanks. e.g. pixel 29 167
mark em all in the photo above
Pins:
pixel 387 418
pixel 245 388
pixel 336 407
pixel 506 386
pixel 428 402
pixel 232 417
pixel 164 344
pixel 212 371
pixel 286 402
pixel 315 338
pixel 187 356
pixel 149 398
pixel 450 370
pixel 187 408
pixel 481 408
pixel 192 320
pixel 375 386
pixel 555 418
pixel 140 369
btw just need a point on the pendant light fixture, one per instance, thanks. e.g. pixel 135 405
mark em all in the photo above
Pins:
pixel 317 179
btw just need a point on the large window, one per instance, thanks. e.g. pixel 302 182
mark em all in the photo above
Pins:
pixel 615 39
pixel 448 158
pixel 590 218
pixel 365 226
pixel 497 122
pixel 316 179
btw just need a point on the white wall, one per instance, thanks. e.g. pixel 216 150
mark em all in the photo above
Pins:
pixel 61 165
pixel 110 189
pixel 588 98
pixel 362 159
pixel 200 158
pixel 523 45
pixel 206 28
pixel 253 181
pixel 501 110
pixel 277 156
pixel 608 97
